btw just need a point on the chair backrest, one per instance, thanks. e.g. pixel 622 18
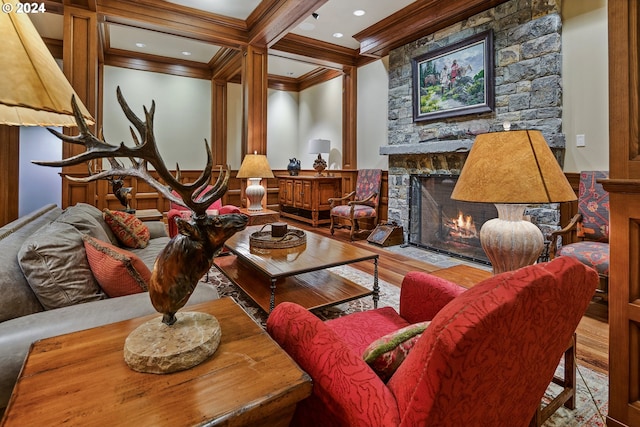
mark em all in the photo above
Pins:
pixel 368 182
pixel 489 355
pixel 593 204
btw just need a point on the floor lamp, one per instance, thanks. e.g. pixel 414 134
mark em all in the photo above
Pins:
pixel 512 169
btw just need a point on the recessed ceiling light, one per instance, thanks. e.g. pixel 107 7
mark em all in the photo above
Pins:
pixel 185 53
pixel 141 45
pixel 337 35
pixel 359 12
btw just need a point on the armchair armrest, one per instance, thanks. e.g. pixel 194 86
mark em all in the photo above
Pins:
pixel 366 202
pixel 333 200
pixel 341 379
pixel 553 246
pixel 422 295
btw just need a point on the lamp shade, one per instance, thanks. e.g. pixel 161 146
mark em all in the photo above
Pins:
pixel 512 167
pixel 255 166
pixel 33 89
pixel 317 146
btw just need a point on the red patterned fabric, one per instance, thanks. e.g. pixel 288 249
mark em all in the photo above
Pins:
pixel 117 271
pixel 129 230
pixel 486 358
pixel 359 211
pixel 368 182
pixel 593 204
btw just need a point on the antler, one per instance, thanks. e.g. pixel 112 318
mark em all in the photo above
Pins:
pixel 145 151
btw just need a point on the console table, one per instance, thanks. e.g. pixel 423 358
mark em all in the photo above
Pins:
pixel 306 198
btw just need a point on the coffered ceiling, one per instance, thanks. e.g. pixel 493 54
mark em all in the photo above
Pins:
pixel 303 36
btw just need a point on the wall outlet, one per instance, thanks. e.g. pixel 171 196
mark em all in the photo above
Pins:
pixel 580 142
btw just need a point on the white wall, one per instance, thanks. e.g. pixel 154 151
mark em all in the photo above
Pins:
pixel 182 119
pixel 320 116
pixel 585 80
pixel 373 109
pixel 282 128
pixel 38 185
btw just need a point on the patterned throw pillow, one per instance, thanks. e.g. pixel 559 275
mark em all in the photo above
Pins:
pixel 385 354
pixel 129 230
pixel 117 271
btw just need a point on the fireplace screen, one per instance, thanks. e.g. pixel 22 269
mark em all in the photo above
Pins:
pixel 439 223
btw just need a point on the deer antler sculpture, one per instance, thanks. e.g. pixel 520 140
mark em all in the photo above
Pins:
pixel 188 256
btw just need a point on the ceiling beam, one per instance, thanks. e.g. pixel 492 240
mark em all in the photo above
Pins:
pixel 176 20
pixel 415 21
pixel 273 20
pixel 317 52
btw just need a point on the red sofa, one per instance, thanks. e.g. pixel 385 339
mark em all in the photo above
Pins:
pixel 176 210
pixel 486 359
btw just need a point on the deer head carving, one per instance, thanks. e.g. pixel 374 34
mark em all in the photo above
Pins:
pixel 188 256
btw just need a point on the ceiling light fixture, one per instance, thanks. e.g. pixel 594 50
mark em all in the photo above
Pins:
pixel 141 45
pixel 359 12
pixel 186 53
pixel 338 35
pixel 315 15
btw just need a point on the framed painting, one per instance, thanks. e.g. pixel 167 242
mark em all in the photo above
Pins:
pixel 454 80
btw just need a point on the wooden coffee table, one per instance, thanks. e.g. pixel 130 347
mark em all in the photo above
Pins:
pixel 81 379
pixel 298 274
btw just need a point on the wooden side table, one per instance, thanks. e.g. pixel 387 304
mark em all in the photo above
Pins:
pixel 265 216
pixel 81 379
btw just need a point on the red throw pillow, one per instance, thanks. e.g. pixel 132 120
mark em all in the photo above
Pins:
pixel 385 354
pixel 129 230
pixel 117 271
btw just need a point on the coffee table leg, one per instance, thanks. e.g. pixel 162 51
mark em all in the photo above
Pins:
pixel 376 287
pixel 272 299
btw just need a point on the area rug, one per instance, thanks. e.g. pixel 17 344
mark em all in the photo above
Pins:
pixel 592 387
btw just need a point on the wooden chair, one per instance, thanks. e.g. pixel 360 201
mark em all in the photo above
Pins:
pixel 591 224
pixel 363 202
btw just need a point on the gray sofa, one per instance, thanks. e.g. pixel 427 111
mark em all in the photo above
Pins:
pixel 46 286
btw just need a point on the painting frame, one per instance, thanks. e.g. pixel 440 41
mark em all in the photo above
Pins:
pixel 444 88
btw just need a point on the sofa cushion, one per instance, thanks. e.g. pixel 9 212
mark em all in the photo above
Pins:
pixel 84 222
pixel 117 271
pixel 385 354
pixel 129 230
pixel 55 264
pixel 96 214
pixel 149 254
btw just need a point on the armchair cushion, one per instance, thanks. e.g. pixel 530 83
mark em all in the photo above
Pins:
pixel 593 254
pixel 385 354
pixel 359 211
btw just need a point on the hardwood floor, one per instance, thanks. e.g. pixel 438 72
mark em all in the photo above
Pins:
pixel 593 331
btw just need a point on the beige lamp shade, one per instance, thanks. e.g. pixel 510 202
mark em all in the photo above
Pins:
pixel 317 146
pixel 255 166
pixel 512 167
pixel 33 89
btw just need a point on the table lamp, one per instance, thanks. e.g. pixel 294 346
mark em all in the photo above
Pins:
pixel 512 169
pixel 319 146
pixel 255 167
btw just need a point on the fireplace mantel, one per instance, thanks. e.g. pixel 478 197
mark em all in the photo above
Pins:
pixel 428 147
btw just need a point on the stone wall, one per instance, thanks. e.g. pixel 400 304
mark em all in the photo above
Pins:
pixel 528 94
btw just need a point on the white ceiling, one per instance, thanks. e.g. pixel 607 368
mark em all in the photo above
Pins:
pixel 335 16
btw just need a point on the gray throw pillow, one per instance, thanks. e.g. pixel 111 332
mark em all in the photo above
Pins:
pixel 54 261
pixel 88 219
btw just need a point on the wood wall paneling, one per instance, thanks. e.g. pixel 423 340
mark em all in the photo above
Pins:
pixel 9 172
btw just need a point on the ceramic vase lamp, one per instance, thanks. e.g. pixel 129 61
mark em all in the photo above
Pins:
pixel 319 146
pixel 512 169
pixel 255 167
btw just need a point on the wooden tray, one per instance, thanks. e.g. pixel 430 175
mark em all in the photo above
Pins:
pixel 264 240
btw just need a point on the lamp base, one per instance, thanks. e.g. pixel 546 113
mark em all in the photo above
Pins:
pixel 255 193
pixel 319 165
pixel 509 241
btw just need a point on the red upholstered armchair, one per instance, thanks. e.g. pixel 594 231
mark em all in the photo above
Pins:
pixel 362 203
pixel 486 358
pixel 176 210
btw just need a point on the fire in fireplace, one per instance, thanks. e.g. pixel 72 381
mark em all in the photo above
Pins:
pixel 444 225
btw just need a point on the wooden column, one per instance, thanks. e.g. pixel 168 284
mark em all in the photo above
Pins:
pixel 9 172
pixel 219 123
pixel 349 118
pixel 624 191
pixel 80 65
pixel 254 94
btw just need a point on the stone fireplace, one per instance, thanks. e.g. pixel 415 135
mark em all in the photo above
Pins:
pixel 528 94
